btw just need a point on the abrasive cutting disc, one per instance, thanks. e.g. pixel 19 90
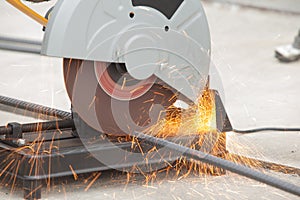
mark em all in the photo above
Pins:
pixel 108 99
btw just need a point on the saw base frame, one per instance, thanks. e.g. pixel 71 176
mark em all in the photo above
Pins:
pixel 35 171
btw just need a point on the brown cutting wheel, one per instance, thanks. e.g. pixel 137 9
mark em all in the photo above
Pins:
pixel 108 99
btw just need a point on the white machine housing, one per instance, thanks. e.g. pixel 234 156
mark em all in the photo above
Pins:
pixel 175 46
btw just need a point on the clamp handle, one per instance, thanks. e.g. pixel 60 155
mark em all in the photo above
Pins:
pixel 28 11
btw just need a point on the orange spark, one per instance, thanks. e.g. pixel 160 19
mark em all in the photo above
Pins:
pixel 92 182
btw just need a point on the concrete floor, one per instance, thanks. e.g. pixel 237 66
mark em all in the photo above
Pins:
pixel 258 91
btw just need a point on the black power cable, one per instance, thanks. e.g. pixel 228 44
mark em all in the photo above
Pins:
pixel 266 129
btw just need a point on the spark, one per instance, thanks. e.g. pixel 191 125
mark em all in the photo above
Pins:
pixel 124 83
pixel 92 182
pixel 15 177
pixel 136 89
pixel 7 166
pixel 92 102
pixel 152 187
pixel 33 191
pixel 74 173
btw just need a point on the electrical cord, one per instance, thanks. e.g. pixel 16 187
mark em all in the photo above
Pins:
pixel 266 129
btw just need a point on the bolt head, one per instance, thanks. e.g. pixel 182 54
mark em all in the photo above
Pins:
pixel 21 142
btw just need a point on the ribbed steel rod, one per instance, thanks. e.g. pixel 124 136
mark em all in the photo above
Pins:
pixel 36 108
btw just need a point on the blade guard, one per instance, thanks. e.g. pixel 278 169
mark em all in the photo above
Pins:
pixel 176 50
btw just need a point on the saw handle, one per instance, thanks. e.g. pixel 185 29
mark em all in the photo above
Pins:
pixel 28 11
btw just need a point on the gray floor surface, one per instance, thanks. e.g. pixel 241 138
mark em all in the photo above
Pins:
pixel 257 91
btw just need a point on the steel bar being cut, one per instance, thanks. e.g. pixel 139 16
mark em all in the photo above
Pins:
pixel 32 107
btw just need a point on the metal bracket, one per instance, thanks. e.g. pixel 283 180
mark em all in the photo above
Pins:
pixel 15 137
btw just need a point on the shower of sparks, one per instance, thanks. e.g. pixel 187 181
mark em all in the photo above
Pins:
pixel 197 122
pixel 197 119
